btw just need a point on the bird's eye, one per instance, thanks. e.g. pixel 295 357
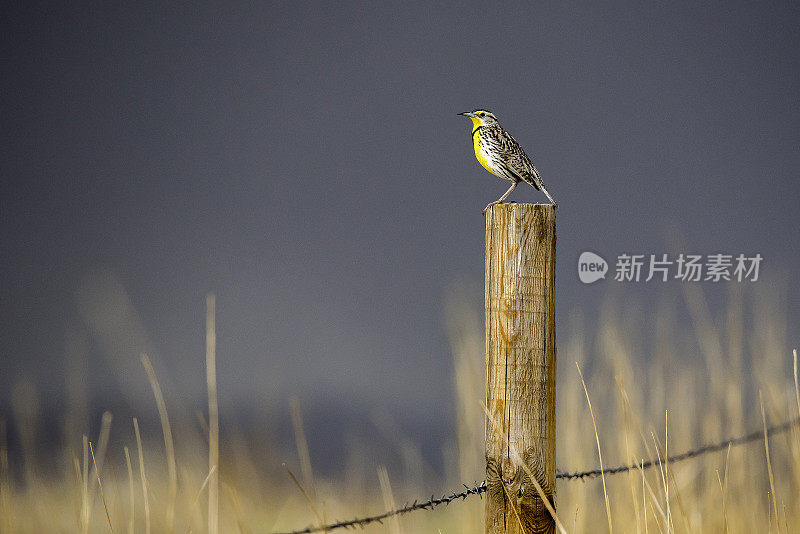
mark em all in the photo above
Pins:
pixel 480 113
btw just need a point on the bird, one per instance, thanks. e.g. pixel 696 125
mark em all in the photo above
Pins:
pixel 501 155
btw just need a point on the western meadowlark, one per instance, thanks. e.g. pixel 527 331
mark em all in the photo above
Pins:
pixel 501 155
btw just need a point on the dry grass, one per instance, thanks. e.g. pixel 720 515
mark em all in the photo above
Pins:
pixel 638 368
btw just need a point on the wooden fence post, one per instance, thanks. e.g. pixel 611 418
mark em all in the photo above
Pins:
pixel 520 366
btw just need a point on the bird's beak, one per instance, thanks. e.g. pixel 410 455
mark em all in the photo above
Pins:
pixel 467 114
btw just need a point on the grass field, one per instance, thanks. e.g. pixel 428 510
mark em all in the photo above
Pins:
pixel 656 388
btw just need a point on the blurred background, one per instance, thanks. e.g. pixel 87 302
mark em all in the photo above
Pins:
pixel 304 162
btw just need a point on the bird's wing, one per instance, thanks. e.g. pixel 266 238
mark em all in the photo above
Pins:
pixel 515 158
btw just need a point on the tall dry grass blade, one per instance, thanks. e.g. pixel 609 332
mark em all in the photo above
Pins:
pixel 796 388
pixel 575 520
pixel 233 495
pixel 202 487
pixel 655 517
pixel 671 479
pixel 653 498
pixel 666 465
pixel 142 476
pixel 305 494
pixel 213 415
pixel 132 499
pixel 769 514
pixel 102 440
pixel 302 448
pixel 102 447
pixel 599 452
pixel 664 484
pixel 666 458
pixel 769 463
pixel 388 499
pixel 100 486
pixel 644 495
pixel 88 488
pixel 514 509
pixel 722 494
pixel 193 507
pixel 628 456
pixel 725 491
pixel 85 509
pixel 169 445
pixel 795 443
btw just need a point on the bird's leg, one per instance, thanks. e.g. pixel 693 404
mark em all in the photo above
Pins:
pixel 501 199
pixel 553 202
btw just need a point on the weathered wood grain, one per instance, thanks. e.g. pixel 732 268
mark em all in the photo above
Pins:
pixel 520 366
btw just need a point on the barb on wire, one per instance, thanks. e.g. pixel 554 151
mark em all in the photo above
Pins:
pixel 433 502
pixel 722 445
pixel 480 488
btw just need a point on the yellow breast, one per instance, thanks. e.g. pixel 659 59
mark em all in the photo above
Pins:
pixel 476 141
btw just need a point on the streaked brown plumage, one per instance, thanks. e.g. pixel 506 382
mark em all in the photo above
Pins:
pixel 500 154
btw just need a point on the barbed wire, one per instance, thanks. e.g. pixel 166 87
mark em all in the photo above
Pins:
pixel 433 502
pixel 480 488
pixel 705 449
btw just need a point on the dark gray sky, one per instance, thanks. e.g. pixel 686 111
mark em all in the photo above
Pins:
pixel 305 162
